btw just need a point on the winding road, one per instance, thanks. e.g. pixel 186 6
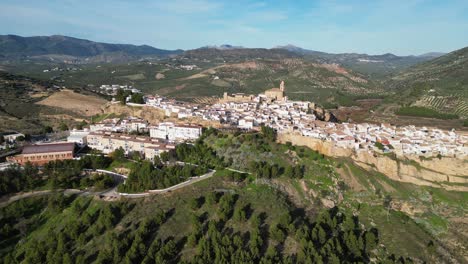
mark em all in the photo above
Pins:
pixel 109 193
pixel 190 181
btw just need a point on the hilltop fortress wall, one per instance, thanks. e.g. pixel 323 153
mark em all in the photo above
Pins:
pixel 435 172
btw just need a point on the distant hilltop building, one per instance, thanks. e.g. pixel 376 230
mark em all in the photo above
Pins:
pixel 237 97
pixel 273 94
pixel 276 94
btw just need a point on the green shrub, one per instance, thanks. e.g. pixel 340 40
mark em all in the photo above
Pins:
pixel 379 145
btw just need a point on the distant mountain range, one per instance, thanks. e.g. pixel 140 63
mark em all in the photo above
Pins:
pixel 372 65
pixel 296 49
pixel 233 54
pixel 223 47
pixel 58 47
pixel 63 48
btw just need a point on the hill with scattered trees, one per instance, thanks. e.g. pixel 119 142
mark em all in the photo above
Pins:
pixel 266 203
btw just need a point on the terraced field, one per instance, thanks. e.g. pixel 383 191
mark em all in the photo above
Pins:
pixel 206 100
pixel 446 104
pixel 440 84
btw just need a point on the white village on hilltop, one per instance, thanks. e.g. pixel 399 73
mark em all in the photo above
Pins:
pixel 274 109
pixel 250 112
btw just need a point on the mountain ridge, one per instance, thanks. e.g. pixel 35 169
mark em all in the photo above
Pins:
pixel 18 47
pixel 292 47
pixel 376 66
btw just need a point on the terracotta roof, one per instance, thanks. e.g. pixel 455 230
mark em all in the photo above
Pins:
pixel 47 148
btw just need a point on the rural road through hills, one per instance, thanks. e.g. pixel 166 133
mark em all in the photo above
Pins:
pixel 191 180
pixel 109 193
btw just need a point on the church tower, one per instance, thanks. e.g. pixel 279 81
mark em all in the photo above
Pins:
pixel 282 86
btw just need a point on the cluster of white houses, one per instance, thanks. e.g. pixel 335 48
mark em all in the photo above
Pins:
pixel 249 112
pixel 111 134
pixel 108 142
pixel 112 89
pixel 407 140
pixel 273 109
pixel 126 125
pixel 172 132
pixel 172 107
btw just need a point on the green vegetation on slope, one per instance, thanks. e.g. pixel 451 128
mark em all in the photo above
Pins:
pixel 440 84
pixel 258 226
pixel 279 217
pixel 145 176
pixel 254 74
pixel 424 112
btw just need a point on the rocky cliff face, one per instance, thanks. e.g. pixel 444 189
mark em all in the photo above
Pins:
pixel 323 114
pixel 448 173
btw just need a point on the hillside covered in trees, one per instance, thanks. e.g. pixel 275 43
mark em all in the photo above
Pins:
pixel 266 203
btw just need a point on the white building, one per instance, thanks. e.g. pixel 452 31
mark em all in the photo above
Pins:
pixel 12 136
pixel 134 124
pixel 78 137
pixel 172 132
pixel 110 125
pixel 245 124
pixel 108 142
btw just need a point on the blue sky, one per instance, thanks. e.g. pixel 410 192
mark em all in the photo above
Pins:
pixel 398 26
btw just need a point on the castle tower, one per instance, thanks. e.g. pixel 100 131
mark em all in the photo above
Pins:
pixel 282 86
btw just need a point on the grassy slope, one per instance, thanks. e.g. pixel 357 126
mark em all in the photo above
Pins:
pixel 431 209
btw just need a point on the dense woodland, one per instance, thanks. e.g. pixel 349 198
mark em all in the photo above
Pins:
pixel 333 237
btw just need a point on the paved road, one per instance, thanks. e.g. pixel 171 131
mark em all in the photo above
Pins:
pixel 192 180
pixel 119 178
pixel 239 171
pixel 109 193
